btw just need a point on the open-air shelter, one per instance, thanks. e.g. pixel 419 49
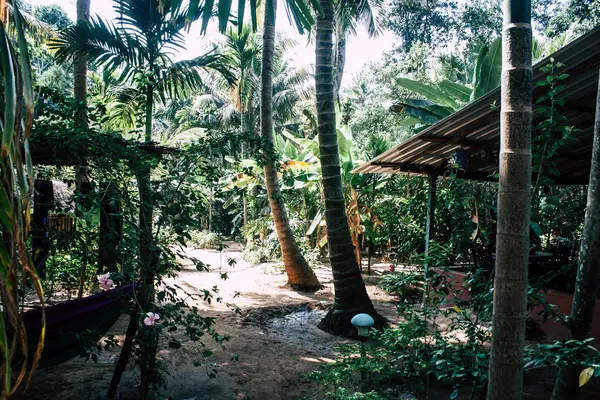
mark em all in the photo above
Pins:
pixel 475 129
pixel 474 133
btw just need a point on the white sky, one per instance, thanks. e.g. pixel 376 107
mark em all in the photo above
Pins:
pixel 360 49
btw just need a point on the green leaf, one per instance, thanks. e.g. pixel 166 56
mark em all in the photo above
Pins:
pixel 253 12
pixel 456 90
pixel 192 11
pixel 323 241
pixel 491 70
pixel 10 92
pixel 224 12
pixel 241 10
pixel 536 228
pixel 585 376
pixel 477 71
pixel 207 13
pixel 315 223
pixel 4 349
pixel 230 201
pixel 430 93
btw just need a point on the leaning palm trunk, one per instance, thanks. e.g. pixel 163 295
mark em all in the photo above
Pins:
pixel 350 293
pixel 300 275
pixel 588 273
pixel 514 202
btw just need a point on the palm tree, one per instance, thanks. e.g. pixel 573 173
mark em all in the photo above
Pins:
pixel 139 45
pixel 514 203
pixel 80 62
pixel 300 275
pixel 350 293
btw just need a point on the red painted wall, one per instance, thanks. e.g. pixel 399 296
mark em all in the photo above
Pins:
pixel 564 303
pixel 551 329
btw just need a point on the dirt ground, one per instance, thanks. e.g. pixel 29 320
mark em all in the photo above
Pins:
pixel 275 337
pixel 274 343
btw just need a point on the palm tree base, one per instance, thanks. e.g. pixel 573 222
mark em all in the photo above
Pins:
pixel 337 322
pixel 305 288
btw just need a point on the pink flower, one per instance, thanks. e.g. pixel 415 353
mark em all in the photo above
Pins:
pixel 392 267
pixel 105 282
pixel 151 319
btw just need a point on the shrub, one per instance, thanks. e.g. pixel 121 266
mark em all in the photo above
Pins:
pixel 204 240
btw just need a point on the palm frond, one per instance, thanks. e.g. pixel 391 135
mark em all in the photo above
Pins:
pixel 366 12
pixel 99 42
pixel 184 76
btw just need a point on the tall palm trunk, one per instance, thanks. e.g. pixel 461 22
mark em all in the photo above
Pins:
pixel 588 273
pixel 350 293
pixel 514 203
pixel 340 58
pixel 82 173
pixel 82 177
pixel 300 275
pixel 80 64
pixel 147 256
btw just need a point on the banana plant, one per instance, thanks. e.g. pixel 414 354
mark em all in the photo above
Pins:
pixel 446 97
pixel 361 218
pixel 16 264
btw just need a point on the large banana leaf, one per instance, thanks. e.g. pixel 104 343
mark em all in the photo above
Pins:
pixel 431 93
pixel 425 111
pixel 490 70
pixel 456 90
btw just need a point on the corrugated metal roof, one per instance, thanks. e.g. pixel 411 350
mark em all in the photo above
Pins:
pixel 476 127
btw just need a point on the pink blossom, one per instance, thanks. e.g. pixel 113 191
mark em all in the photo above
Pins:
pixel 151 319
pixel 105 282
pixel 392 267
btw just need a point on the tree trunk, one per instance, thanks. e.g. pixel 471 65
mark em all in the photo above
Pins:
pixel 82 174
pixel 514 204
pixel 124 355
pixel 300 275
pixel 350 293
pixel 588 273
pixel 147 257
pixel 340 58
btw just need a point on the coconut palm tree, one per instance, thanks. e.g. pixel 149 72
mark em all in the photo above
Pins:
pixel 139 45
pixel 514 203
pixel 350 293
pixel 300 275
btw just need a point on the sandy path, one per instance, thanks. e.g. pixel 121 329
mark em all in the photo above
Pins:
pixel 275 351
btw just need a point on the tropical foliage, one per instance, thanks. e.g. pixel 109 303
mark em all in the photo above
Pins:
pixel 245 144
